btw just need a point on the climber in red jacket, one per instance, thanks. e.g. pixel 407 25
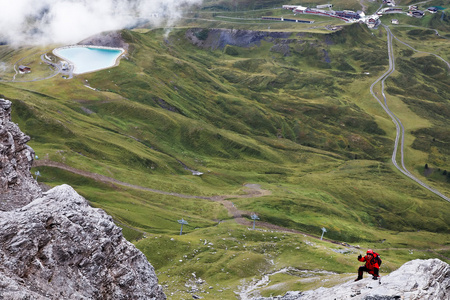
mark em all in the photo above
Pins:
pixel 372 265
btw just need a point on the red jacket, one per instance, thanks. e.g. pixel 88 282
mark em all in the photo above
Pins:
pixel 370 264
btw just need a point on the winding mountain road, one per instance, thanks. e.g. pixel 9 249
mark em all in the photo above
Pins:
pixel 400 135
pixel 414 26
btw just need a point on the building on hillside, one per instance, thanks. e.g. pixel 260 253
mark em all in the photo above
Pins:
pixel 389 2
pixel 416 13
pixel 298 21
pixel 373 22
pixel 348 14
pixel 324 6
pixel 299 10
pixel 413 7
pixel 432 9
pixel 287 20
pixel 290 7
pixel 390 10
pixel 64 65
pixel 24 69
pixel 394 21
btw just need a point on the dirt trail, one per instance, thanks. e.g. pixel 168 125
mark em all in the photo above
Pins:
pixel 252 191
pixel 106 179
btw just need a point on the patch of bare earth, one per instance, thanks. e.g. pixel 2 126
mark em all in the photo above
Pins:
pixel 252 191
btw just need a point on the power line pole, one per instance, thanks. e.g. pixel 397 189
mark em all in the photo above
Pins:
pixel 323 231
pixel 182 222
pixel 254 218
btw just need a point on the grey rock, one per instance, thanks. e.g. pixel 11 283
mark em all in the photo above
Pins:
pixel 12 290
pixel 58 247
pixel 219 38
pixel 53 245
pixel 416 279
pixel 17 186
pixel 107 39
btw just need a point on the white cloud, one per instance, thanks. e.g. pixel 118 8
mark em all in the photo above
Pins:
pixel 3 67
pixel 69 21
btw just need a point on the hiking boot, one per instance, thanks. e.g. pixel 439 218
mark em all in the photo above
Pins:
pixel 357 279
pixel 375 278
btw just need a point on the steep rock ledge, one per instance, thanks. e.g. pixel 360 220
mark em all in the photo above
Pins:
pixel 415 280
pixel 17 186
pixel 58 247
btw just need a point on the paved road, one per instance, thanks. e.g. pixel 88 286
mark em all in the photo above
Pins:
pixel 413 26
pixel 409 46
pixel 400 135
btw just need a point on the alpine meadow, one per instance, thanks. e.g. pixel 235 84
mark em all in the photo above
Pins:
pixel 259 134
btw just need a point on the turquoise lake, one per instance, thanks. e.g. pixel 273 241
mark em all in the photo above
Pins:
pixel 89 59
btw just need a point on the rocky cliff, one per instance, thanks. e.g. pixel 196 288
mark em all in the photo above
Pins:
pixel 17 186
pixel 106 39
pixel 415 280
pixel 53 245
pixel 219 38
pixel 58 247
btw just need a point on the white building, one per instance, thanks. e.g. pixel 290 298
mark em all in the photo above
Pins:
pixel 64 65
pixel 290 7
pixel 324 6
pixel 299 9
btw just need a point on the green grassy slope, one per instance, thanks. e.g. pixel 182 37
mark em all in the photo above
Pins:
pixel 291 112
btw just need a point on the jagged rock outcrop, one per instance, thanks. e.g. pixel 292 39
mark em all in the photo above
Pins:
pixel 106 39
pixel 219 38
pixel 58 247
pixel 415 280
pixel 17 186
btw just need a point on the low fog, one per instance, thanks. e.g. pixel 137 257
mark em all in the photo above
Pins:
pixel 31 22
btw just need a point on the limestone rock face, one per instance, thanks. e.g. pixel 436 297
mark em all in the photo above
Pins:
pixel 58 247
pixel 415 280
pixel 17 186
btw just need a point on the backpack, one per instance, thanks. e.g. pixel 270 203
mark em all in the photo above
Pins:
pixel 377 258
